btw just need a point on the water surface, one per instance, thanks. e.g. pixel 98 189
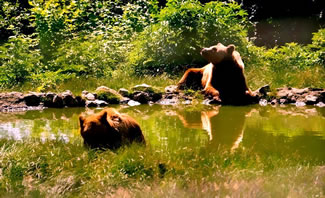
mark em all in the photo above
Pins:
pixel 282 130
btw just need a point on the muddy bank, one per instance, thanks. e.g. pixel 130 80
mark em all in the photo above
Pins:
pixel 146 94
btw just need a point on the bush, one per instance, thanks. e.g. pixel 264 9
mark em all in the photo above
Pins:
pixel 18 60
pixel 183 28
pixel 288 65
pixel 318 46
pixel 95 55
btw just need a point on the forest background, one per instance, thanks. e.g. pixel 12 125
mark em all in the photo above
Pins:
pixel 60 44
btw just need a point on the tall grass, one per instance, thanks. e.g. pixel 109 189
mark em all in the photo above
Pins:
pixel 58 169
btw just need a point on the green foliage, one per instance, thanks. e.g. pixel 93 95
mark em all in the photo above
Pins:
pixel 46 43
pixel 140 14
pixel 95 55
pixel 288 65
pixel 18 59
pixel 183 28
pixel 14 19
pixel 318 46
pixel 50 79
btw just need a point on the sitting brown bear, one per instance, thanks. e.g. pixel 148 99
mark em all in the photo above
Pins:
pixel 223 78
pixel 109 129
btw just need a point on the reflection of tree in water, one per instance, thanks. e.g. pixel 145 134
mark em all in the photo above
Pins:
pixel 224 124
pixel 52 123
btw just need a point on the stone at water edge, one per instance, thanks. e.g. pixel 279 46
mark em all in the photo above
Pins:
pixel 311 100
pixel 33 99
pixel 124 92
pixel 68 99
pixel 142 97
pixel 109 95
pixel 96 103
pixel 263 102
pixel 171 89
pixel 133 103
pixel 58 101
pixel 142 87
pixel 90 96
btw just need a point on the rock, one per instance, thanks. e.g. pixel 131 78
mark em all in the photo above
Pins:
pixel 144 93
pixel 58 101
pixel 124 92
pixel 263 102
pixel 109 95
pixel 142 97
pixel 124 100
pixel 106 89
pixel 292 99
pixel 187 102
pixel 211 101
pixel 171 89
pixel 315 89
pixel 96 103
pixel 80 101
pixel 311 100
pixel 133 103
pixel 300 97
pixel 300 104
pixel 322 96
pixel 47 99
pixel 262 91
pixel 170 96
pixel 143 87
pixel 275 101
pixel 283 93
pixel 156 96
pixel 12 101
pixel 299 91
pixel 281 101
pixel 320 104
pixel 68 99
pixel 32 99
pixel 90 96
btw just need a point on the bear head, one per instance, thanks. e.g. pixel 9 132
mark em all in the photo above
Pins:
pixel 217 53
pixel 98 130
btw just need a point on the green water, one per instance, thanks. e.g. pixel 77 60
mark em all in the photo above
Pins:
pixel 263 130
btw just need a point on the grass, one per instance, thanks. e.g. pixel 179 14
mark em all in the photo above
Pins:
pixel 256 76
pixel 305 77
pixel 120 80
pixel 57 169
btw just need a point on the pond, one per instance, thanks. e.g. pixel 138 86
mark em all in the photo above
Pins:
pixel 283 129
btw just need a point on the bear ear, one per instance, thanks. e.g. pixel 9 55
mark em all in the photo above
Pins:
pixel 230 48
pixel 103 117
pixel 81 120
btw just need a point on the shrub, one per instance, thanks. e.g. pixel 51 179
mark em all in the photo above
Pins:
pixel 318 46
pixel 18 59
pixel 94 55
pixel 183 28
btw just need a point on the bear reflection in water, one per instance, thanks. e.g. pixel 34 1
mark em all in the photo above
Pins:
pixel 224 127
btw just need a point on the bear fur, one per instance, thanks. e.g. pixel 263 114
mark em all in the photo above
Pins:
pixel 222 79
pixel 109 129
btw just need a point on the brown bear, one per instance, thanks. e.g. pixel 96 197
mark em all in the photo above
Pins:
pixel 109 129
pixel 223 78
